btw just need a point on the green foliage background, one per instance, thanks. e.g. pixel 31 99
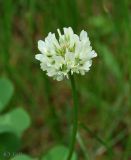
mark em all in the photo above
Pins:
pixel 105 103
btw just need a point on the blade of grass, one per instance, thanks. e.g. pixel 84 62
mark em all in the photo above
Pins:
pixel 127 153
pixel 53 118
pixel 100 140
pixel 7 19
pixel 82 145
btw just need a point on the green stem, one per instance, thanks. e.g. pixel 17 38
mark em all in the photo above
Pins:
pixel 75 117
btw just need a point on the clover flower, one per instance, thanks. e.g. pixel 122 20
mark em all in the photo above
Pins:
pixel 66 55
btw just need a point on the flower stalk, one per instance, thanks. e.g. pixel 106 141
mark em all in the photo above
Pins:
pixel 75 117
pixel 63 57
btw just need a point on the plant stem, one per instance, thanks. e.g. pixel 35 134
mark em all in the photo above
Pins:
pixel 75 117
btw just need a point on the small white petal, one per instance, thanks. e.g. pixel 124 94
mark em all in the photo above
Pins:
pixel 69 57
pixel 59 32
pixel 51 71
pixel 83 35
pixel 68 31
pixel 60 78
pixel 94 54
pixel 87 65
pixel 39 57
pixel 41 46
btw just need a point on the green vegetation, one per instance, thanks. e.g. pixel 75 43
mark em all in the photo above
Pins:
pixel 12 124
pixel 104 93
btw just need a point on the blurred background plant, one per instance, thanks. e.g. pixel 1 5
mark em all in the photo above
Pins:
pixel 12 124
pixel 105 104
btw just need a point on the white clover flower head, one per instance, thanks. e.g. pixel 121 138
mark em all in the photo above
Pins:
pixel 66 55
